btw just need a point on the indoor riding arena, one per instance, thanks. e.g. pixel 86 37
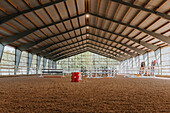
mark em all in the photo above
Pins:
pixel 84 56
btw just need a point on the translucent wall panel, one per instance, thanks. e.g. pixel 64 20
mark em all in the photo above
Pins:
pixel 8 61
pixel 161 56
pixel 33 65
pixel 136 65
pixel 46 67
pixel 158 59
pixel 165 56
pixel 146 59
pixel 41 65
pixel 22 69
pixel 86 60
pixel 151 57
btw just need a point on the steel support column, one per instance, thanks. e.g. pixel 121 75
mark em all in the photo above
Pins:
pixel 146 59
pixel 132 61
pixel 161 60
pixel 29 62
pixel 56 64
pixel 44 62
pixel 38 64
pixel 17 60
pixel 1 51
pixel 121 67
pixel 158 58
pixel 126 66
pixel 49 64
pixel 53 64
pixel 137 61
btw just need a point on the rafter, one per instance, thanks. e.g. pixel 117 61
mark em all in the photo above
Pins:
pixel 156 35
pixel 121 55
pixel 11 39
pixel 165 16
pixel 31 44
pixel 98 52
pixel 17 36
pixel 127 52
pixel 92 51
pixel 37 50
pixel 70 51
pixel 55 51
pixel 78 49
pixel 71 54
pixel 48 52
pixel 130 47
pixel 147 45
pixel 27 46
pixel 48 55
pixel 12 16
pixel 63 52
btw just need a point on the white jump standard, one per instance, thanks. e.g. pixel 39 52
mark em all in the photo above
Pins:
pixel 99 73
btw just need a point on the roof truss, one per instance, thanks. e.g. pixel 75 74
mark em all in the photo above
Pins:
pixel 49 49
pixel 52 50
pixel 79 50
pixel 12 16
pixel 15 37
pixel 90 45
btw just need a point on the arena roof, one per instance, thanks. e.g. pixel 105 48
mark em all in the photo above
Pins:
pixel 58 29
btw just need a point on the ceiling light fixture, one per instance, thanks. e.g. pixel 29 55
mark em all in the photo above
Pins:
pixel 87 15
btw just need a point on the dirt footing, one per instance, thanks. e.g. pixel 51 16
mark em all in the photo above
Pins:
pixel 35 94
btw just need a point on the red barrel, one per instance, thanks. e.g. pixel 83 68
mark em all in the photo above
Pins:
pixel 74 76
pixel 77 77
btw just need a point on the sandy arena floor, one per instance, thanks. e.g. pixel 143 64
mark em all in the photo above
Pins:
pixel 33 94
